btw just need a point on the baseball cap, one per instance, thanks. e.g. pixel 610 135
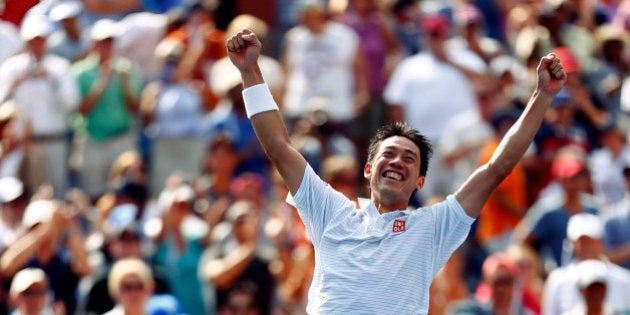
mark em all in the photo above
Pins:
pixel 562 98
pixel 38 211
pixel 224 76
pixel 584 224
pixel 467 14
pixel 25 278
pixel 169 49
pixel 104 29
pixel 435 23
pixel 65 10
pixel 10 189
pixel 567 165
pixel 567 59
pixel 591 271
pixel 37 26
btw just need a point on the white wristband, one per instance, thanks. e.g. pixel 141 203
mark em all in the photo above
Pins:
pixel 258 99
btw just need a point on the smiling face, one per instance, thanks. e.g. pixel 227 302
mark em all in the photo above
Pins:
pixel 394 173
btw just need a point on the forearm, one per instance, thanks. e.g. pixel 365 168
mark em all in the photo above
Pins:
pixel 223 272
pixel 19 253
pixel 619 255
pixel 91 99
pixel 270 129
pixel 513 146
pixel 80 265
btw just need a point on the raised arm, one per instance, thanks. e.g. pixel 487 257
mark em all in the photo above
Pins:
pixel 243 50
pixel 476 190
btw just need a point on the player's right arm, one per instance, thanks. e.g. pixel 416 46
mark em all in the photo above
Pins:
pixel 243 50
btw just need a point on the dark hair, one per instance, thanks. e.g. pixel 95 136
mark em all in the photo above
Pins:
pixel 403 130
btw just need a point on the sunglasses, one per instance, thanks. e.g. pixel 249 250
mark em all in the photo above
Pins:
pixel 131 286
pixel 34 292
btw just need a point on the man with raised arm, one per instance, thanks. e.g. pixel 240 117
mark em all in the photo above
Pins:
pixel 382 258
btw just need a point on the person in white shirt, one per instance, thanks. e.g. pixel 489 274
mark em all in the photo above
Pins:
pixel 380 259
pixel 561 292
pixel 44 91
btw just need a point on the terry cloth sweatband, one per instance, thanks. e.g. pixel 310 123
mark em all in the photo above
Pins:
pixel 258 99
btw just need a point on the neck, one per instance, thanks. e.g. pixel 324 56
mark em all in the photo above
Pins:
pixel 384 206
pixel 594 309
pixel 134 310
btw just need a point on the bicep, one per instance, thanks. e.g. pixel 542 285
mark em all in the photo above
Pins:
pixel 474 193
pixel 274 138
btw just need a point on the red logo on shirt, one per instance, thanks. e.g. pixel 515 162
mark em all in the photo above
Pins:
pixel 399 226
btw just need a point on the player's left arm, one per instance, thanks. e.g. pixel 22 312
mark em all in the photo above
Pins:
pixel 476 190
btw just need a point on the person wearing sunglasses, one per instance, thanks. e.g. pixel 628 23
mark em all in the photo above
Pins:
pixel 131 285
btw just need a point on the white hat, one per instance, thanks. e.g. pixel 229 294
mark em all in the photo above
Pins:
pixel 104 29
pixel 169 49
pixel 36 26
pixel 584 224
pixel 224 76
pixel 10 188
pixel 591 271
pixel 38 211
pixel 25 278
pixel 65 10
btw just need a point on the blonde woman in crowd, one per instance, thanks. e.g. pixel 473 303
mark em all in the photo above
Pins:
pixel 130 283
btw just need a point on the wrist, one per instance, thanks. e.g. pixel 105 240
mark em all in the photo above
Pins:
pixel 258 99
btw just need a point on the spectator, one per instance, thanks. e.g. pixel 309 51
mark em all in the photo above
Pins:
pixel 53 242
pixel 561 293
pixel 591 281
pixel 179 246
pixel 560 128
pixel 12 204
pixel 341 172
pixel 471 36
pixel 237 258
pixel 409 100
pixel 110 87
pixel 617 227
pixel 313 72
pixel 608 161
pixel 500 292
pixel 547 235
pixel 130 283
pixel 36 72
pixel 12 142
pixel 30 293
pixel 242 300
pixel 122 241
pixel 381 51
pixel 70 41
pixel 605 80
pixel 172 109
pixel 508 203
pixel 531 271
pixel 407 26
pixel 201 36
pixel 10 36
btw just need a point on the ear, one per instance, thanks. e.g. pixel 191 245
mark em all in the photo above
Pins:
pixel 367 170
pixel 420 182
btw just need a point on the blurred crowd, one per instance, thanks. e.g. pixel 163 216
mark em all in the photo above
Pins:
pixel 131 181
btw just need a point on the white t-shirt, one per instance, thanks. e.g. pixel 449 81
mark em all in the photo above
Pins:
pixel 368 263
pixel 321 66
pixel 431 92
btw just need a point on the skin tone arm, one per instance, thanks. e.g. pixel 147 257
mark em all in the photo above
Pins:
pixel 243 50
pixel 476 190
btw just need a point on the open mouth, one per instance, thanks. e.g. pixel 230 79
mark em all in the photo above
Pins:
pixel 393 175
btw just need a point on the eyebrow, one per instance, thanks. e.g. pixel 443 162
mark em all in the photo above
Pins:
pixel 398 148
